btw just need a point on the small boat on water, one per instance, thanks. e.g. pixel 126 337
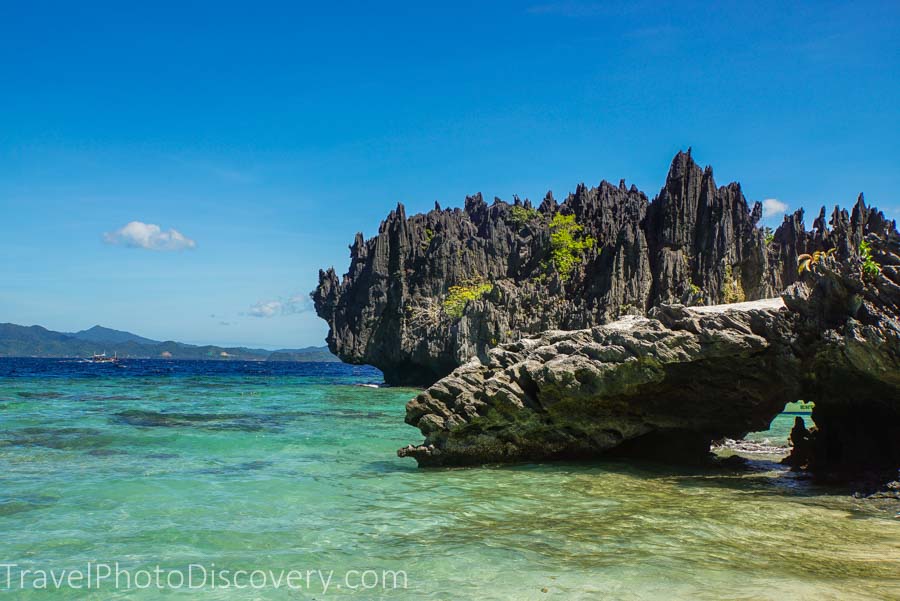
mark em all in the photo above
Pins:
pixel 103 358
pixel 800 407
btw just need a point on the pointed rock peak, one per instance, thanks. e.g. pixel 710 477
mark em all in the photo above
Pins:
pixel 516 200
pixel 682 165
pixel 838 216
pixel 527 204
pixel 549 203
pixel 819 222
pixel 860 212
pixel 474 203
pixel 396 216
pixel 622 184
pixel 327 275
pixel 437 206
pixel 734 187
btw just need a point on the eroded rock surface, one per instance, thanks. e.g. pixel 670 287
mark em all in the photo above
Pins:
pixel 848 330
pixel 695 243
pixel 670 383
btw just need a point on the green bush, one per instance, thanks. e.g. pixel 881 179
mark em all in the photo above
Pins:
pixel 520 215
pixel 732 290
pixel 870 268
pixel 429 236
pixel 459 296
pixel 567 245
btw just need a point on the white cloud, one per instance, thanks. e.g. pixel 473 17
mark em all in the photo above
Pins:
pixel 299 303
pixel 266 309
pixel 772 207
pixel 138 234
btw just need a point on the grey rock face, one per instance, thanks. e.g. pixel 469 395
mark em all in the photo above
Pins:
pixel 848 332
pixel 674 381
pixel 695 243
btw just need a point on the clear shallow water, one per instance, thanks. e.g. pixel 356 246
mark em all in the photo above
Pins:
pixel 282 466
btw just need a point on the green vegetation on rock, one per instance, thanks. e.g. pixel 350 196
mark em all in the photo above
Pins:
pixel 732 290
pixel 459 296
pixel 521 215
pixel 870 268
pixel 429 236
pixel 567 244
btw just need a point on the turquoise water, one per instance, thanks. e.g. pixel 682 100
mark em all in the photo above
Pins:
pixel 247 469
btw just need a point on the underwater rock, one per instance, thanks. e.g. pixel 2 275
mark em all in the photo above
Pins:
pixel 209 421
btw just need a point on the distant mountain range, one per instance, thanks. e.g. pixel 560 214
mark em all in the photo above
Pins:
pixel 110 336
pixel 36 341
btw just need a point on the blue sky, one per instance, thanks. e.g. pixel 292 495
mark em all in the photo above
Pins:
pixel 267 134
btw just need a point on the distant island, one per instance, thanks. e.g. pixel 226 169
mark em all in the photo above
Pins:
pixel 36 341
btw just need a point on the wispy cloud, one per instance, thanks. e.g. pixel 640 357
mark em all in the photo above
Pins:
pixel 298 303
pixel 138 234
pixel 772 207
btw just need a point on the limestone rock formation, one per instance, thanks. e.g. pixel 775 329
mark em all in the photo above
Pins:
pixel 673 382
pixel 695 243
pixel 848 333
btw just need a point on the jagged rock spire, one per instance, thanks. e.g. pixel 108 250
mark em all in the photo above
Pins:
pixel 695 242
